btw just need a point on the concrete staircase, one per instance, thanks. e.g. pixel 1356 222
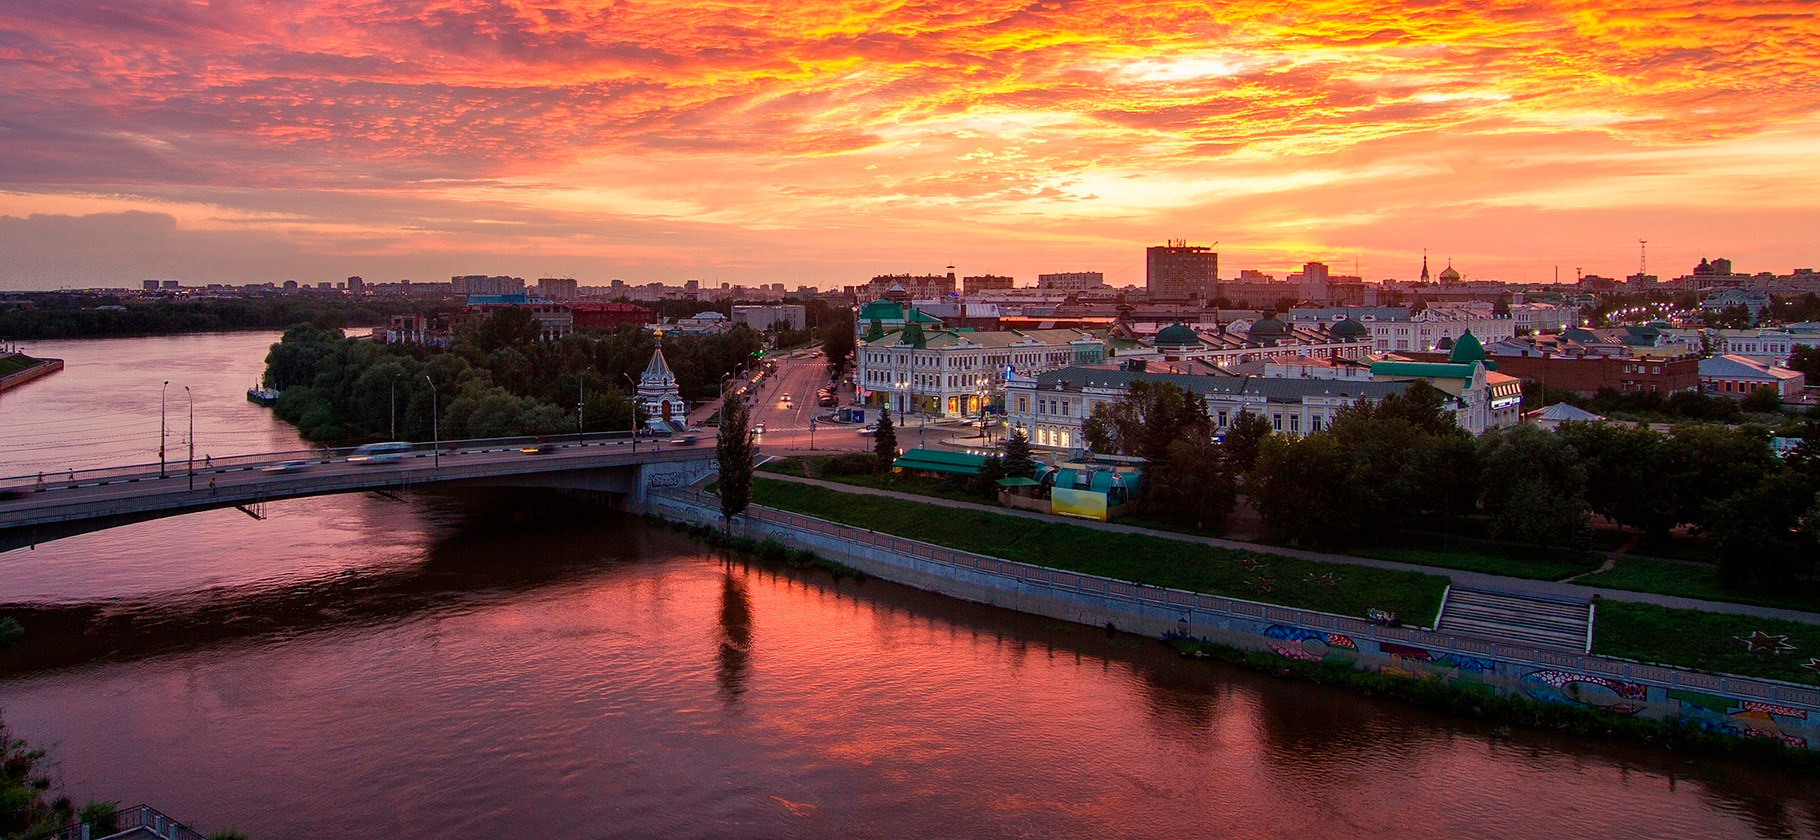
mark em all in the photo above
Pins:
pixel 1506 617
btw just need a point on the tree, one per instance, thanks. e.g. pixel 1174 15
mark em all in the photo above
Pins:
pixel 1624 474
pixel 884 442
pixel 985 485
pixel 1299 489
pixel 734 452
pixel 1243 440
pixel 1535 486
pixel 23 782
pixel 1763 399
pixel 1806 358
pixel 838 344
pixel 1017 460
pixel 1760 533
pixel 1194 486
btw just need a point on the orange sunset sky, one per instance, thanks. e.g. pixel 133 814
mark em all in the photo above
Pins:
pixel 821 142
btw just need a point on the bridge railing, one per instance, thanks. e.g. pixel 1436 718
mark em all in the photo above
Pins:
pixel 209 463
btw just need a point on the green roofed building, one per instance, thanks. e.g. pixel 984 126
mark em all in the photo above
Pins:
pixel 939 462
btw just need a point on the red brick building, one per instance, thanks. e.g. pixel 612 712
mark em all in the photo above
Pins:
pixel 607 316
pixel 1586 375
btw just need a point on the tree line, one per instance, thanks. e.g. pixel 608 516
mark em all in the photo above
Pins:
pixel 56 316
pixel 1403 464
pixel 496 379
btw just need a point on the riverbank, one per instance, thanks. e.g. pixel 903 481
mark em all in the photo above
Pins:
pixel 17 369
pixel 1661 702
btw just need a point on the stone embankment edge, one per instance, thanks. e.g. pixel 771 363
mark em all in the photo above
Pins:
pixel 44 367
pixel 1744 707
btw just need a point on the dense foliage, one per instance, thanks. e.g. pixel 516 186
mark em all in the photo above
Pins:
pixel 734 452
pixel 72 316
pixel 496 379
pixel 24 782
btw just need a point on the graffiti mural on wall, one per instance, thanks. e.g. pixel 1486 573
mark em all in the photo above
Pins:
pixel 1739 718
pixel 1438 662
pixel 1585 690
pixel 1311 645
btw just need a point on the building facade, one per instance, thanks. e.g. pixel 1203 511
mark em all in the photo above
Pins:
pixel 1051 408
pixel 1181 271
pixel 1738 376
pixel 984 283
pixel 1071 281
pixel 954 373
pixel 762 318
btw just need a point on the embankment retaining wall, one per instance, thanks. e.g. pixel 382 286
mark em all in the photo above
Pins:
pixel 44 367
pixel 1739 706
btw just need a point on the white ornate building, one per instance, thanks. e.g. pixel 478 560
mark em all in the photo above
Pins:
pixel 659 396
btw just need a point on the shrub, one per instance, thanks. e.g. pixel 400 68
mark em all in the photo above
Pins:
pixel 852 463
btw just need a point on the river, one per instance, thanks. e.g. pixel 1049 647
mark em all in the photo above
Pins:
pixel 519 665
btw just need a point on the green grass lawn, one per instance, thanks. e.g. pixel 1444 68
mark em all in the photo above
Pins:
pixel 14 364
pixel 784 466
pixel 1533 563
pixel 1144 559
pixel 1688 580
pixel 1703 640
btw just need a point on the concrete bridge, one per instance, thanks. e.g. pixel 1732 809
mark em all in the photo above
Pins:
pixel 44 507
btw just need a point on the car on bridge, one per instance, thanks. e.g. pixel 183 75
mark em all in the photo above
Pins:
pixel 539 449
pixel 379 453
pixel 288 467
pixel 685 440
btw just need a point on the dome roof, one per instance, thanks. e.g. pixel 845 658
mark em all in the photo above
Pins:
pixel 1346 329
pixel 1177 335
pixel 1268 329
pixel 1449 273
pixel 1446 343
pixel 1467 349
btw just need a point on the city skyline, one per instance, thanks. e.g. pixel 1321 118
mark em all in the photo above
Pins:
pixel 730 143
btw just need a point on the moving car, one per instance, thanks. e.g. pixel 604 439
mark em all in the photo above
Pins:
pixel 288 466
pixel 538 449
pixel 379 453
pixel 685 440
pixel 870 429
pixel 758 428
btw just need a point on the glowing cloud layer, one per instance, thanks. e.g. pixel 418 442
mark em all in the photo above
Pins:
pixel 821 142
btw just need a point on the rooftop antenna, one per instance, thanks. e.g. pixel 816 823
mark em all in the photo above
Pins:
pixel 1642 257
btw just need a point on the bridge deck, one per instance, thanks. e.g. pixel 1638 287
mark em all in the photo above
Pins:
pixel 130 494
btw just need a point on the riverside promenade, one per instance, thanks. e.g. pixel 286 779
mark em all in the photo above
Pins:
pixel 1548 590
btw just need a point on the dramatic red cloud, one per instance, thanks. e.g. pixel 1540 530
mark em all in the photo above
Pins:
pixel 821 142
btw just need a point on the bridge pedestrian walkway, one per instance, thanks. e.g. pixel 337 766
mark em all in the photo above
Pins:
pixel 1539 591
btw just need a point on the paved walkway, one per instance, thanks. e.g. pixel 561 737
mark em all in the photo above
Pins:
pixel 1543 589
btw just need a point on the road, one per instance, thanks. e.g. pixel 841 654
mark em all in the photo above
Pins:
pixel 69 495
pixel 800 375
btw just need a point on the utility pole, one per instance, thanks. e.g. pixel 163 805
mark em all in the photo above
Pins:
pixel 634 421
pixel 192 461
pixel 161 426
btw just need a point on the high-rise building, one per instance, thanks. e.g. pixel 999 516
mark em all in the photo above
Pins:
pixel 1179 270
pixel 357 286
pixel 557 288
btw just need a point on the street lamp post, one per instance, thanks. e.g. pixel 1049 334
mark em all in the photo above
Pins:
pixel 191 465
pixel 161 426
pixel 394 384
pixel 435 427
pixel 581 409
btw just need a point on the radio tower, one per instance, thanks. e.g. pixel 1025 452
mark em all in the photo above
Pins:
pixel 1642 259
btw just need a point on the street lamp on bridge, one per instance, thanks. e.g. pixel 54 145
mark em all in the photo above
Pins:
pixel 435 427
pixel 192 462
pixel 161 426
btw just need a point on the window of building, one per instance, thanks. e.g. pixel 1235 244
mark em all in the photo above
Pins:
pixel 1295 423
pixel 1222 419
pixel 1276 422
pixel 1064 438
pixel 1064 409
pixel 1023 405
pixel 1314 423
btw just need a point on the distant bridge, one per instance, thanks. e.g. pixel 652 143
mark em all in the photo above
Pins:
pixel 43 507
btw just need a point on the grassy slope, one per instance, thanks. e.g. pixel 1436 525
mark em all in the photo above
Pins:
pixel 15 363
pixel 1703 640
pixel 1537 564
pixel 1144 559
pixel 1694 581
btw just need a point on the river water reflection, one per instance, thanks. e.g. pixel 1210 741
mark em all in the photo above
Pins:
pixel 515 665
